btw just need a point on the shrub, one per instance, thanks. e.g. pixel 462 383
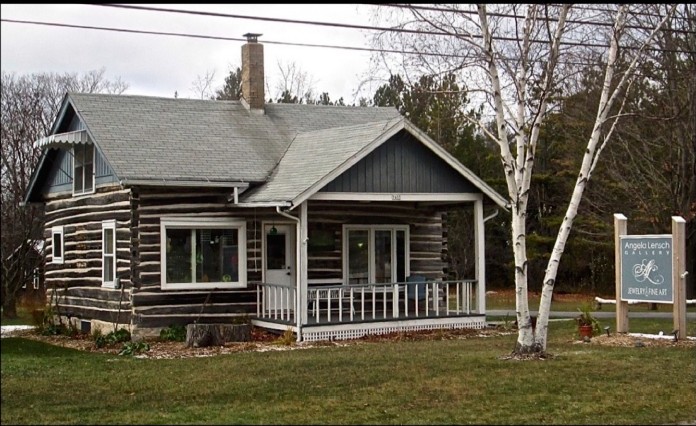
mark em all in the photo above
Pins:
pixel 173 333
pixel 114 337
pixel 134 348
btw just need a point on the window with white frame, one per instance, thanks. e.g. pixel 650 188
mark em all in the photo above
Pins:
pixel 109 253
pixel 203 253
pixel 83 169
pixel 375 253
pixel 36 278
pixel 57 244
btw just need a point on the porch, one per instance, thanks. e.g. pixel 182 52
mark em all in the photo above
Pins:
pixel 345 311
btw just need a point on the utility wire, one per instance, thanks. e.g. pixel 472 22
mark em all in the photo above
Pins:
pixel 211 37
pixel 349 26
pixel 283 43
pixel 509 15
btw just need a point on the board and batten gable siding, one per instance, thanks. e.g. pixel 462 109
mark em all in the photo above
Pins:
pixel 401 165
pixel 75 286
pixel 60 176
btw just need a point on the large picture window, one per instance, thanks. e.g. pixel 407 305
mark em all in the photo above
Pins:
pixel 83 169
pixel 375 253
pixel 57 244
pixel 203 253
pixel 109 253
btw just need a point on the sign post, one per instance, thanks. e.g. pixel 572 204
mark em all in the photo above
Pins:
pixel 679 274
pixel 621 306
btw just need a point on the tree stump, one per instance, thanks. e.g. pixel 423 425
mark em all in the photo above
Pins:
pixel 203 335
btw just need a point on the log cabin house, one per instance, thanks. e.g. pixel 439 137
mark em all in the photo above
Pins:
pixel 324 220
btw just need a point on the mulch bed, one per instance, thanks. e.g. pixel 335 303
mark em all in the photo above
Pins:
pixel 265 341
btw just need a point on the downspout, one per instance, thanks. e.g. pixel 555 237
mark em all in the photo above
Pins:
pixel 298 251
pixel 487 218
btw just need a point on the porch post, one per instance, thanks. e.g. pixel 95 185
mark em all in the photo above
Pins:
pixel 480 255
pixel 302 290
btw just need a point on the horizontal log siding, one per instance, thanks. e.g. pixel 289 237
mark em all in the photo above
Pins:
pixel 156 308
pixel 74 287
pixel 425 231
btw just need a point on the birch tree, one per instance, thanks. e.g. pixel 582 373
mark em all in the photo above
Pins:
pixel 518 59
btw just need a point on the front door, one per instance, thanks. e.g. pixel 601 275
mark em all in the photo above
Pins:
pixel 279 265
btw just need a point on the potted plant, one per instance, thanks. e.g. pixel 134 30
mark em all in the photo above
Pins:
pixel 588 325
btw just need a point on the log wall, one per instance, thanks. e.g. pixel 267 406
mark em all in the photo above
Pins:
pixel 74 288
pixel 138 211
pixel 425 232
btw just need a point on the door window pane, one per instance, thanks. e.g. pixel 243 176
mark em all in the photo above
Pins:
pixel 383 254
pixel 358 256
pixel 275 251
pixel 401 256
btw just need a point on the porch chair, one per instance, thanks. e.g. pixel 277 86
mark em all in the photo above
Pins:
pixel 416 293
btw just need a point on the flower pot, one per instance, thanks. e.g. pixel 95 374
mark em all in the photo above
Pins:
pixel 585 331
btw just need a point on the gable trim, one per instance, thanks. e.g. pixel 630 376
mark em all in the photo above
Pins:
pixel 380 196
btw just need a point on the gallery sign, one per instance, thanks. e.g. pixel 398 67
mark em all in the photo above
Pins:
pixel 646 268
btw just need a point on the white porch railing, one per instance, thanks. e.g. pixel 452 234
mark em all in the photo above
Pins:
pixel 276 302
pixel 371 302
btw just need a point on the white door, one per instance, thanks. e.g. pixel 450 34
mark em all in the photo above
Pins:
pixel 279 265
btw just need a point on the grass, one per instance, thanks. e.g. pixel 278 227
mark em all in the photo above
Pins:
pixel 396 382
pixel 23 316
pixel 505 300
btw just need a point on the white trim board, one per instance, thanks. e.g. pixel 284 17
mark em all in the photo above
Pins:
pixel 379 196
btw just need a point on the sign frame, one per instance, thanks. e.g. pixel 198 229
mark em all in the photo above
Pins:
pixel 634 275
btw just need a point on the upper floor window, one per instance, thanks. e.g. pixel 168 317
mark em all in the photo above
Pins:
pixel 83 172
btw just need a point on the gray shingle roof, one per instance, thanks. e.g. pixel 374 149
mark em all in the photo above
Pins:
pixel 313 155
pixel 152 138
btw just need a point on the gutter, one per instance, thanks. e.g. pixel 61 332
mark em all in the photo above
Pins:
pixel 298 251
pixel 194 183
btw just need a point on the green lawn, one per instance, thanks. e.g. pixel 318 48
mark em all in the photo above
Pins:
pixel 505 300
pixel 396 382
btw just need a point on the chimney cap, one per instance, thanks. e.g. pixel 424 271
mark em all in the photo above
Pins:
pixel 252 37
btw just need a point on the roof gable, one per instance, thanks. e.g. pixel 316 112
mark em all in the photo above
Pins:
pixel 314 155
pixel 318 159
pixel 401 165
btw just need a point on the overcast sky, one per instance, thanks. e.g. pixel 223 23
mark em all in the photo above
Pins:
pixel 160 65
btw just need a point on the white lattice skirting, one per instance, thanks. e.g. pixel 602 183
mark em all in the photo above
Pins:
pixel 355 331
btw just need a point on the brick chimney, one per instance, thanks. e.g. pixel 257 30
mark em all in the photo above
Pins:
pixel 252 73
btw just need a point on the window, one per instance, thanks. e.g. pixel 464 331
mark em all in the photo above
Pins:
pixel 109 253
pixel 83 171
pixel 57 244
pixel 375 253
pixel 203 253
pixel 36 279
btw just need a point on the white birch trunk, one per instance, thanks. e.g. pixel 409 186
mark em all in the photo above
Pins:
pixel 607 100
pixel 518 168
